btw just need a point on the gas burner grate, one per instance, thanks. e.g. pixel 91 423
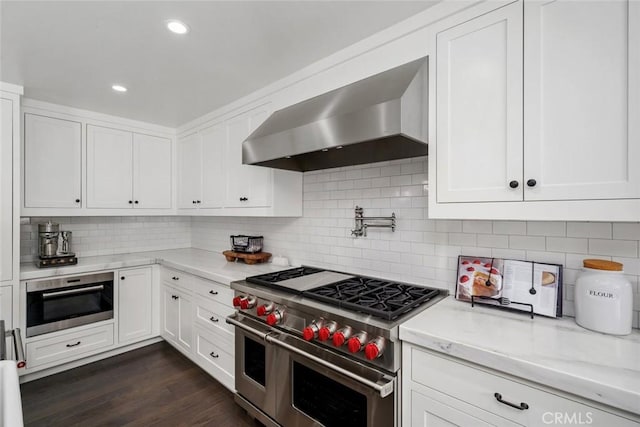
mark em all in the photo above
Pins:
pixel 380 298
pixel 279 276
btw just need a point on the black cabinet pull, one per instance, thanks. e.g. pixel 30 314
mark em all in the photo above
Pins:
pixel 198 202
pixel 243 199
pixel 194 202
pixel 522 406
pixel 212 354
pixel 174 296
pixel 514 184
pixel 213 319
pixel 73 345
pixel 77 200
pixel 531 182
pixel 175 278
pixel 122 278
pixel 213 292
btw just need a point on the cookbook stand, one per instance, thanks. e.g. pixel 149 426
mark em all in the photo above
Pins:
pixel 500 304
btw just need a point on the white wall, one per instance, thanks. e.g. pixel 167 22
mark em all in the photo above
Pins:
pixel 421 250
pixel 111 235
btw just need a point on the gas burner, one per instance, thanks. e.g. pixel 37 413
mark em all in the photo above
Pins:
pixel 380 298
pixel 281 276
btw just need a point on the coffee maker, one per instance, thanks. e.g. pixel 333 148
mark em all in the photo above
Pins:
pixel 50 253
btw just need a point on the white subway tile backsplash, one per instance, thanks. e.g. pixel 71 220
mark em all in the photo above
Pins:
pixel 624 248
pixel 421 250
pixel 546 228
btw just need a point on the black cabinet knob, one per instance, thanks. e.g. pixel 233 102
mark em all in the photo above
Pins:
pixel 194 202
pixel 531 182
pixel 136 202
pixel 130 202
pixel 77 200
pixel 122 278
pixel 514 184
pixel 198 201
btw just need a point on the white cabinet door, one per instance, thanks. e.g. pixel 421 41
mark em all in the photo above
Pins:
pixel 52 154
pixel 170 313
pixel 151 172
pixel 6 314
pixel 135 299
pixel 428 412
pixel 6 190
pixel 109 168
pixel 247 186
pixel 189 171
pixel 582 99
pixel 479 105
pixel 185 322
pixel 214 170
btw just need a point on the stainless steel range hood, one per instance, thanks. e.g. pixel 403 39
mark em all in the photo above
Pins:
pixel 382 117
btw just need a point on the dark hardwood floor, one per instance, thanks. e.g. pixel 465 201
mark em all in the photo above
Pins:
pixel 154 385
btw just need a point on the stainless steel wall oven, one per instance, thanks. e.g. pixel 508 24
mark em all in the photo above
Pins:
pixel 67 302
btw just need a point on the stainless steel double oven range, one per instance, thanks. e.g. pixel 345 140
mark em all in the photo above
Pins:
pixel 317 347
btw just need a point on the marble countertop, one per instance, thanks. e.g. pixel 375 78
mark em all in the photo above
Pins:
pixel 206 264
pixel 554 352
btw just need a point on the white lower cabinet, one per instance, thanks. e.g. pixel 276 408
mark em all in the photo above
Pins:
pixel 442 391
pixel 69 346
pixel 177 318
pixel 6 313
pixel 193 320
pixel 135 304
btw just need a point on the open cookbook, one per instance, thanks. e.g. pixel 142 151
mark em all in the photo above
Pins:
pixel 519 285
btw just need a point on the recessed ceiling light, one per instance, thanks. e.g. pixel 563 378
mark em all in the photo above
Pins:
pixel 177 27
pixel 119 88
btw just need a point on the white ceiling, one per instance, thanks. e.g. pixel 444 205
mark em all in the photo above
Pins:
pixel 71 52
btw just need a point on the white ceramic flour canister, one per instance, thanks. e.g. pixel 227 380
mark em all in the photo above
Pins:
pixel 603 298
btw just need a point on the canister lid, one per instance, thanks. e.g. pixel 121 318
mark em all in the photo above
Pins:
pixel 602 264
pixel 49 227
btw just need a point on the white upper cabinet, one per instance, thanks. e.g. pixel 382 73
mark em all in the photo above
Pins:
pixel 214 166
pixel 6 190
pixel 213 180
pixel 52 162
pixel 126 169
pixel 189 171
pixel 555 139
pixel 582 99
pixel 479 103
pixel 109 166
pixel 152 171
pixel 248 186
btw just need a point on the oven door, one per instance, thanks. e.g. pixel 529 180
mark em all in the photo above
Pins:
pixel 319 387
pixel 58 304
pixel 255 366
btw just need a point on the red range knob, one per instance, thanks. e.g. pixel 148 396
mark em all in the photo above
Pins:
pixel 236 301
pixel 354 345
pixel 324 334
pixel 308 333
pixel 244 304
pixel 371 351
pixel 262 310
pixel 272 319
pixel 338 339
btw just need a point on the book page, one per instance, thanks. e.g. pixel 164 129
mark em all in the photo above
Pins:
pixel 531 283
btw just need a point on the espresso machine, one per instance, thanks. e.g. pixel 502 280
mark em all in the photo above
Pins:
pixel 54 246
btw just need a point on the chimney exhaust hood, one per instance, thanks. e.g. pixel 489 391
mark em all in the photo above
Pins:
pixel 382 117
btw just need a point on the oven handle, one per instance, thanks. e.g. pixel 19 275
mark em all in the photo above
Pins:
pixel 232 321
pixel 73 291
pixel 384 389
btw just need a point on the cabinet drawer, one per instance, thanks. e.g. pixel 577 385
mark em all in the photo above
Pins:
pixel 217 361
pixel 69 346
pixel 175 277
pixel 213 291
pixel 211 315
pixel 478 388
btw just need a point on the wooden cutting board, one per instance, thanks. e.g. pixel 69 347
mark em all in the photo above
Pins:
pixel 250 259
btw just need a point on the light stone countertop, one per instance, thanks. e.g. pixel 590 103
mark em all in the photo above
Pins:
pixel 205 264
pixel 554 352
